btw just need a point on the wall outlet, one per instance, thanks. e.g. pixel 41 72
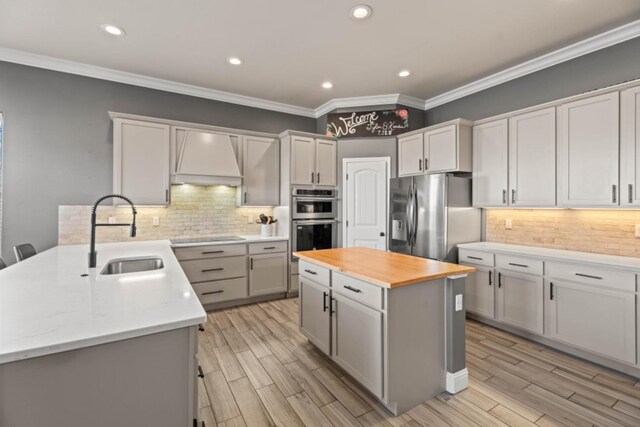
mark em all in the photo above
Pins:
pixel 638 230
pixel 249 219
pixel 156 221
pixel 458 302
pixel 112 220
pixel 508 224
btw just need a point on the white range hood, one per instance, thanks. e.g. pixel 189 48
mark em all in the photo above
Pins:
pixel 205 158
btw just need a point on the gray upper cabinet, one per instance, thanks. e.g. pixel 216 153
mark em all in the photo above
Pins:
pixel 532 158
pixel 630 147
pixel 445 147
pixel 313 161
pixel 588 154
pixel 267 274
pixel 357 341
pixel 315 323
pixel 260 171
pixel 141 161
pixel 490 164
pixel 326 158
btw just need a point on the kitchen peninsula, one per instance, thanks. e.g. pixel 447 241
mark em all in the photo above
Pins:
pixel 394 322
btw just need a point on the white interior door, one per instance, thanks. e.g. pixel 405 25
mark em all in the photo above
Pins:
pixel 365 186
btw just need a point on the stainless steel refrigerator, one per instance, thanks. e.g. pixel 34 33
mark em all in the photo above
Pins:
pixel 431 214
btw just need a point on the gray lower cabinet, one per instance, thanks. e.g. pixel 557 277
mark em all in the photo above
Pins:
pixel 479 292
pixel 357 341
pixel 592 318
pixel 267 274
pixel 519 301
pixel 315 323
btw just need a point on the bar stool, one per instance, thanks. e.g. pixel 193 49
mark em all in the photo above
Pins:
pixel 24 251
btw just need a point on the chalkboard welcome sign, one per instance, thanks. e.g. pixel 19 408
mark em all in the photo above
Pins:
pixel 369 123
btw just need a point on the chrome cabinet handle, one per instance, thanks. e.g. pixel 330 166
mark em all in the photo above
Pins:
pixel 311 272
pixel 614 195
pixel 212 292
pixel 212 269
pixel 588 276
pixel 356 290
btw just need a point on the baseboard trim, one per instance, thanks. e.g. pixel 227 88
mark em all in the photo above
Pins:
pixel 457 381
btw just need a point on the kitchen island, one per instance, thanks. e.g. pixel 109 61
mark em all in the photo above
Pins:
pixel 82 348
pixel 390 320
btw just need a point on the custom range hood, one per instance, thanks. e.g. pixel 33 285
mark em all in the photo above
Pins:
pixel 205 158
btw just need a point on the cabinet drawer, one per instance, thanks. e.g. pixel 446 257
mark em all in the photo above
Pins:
pixel 211 251
pixel 221 290
pixel 357 290
pixel 214 269
pixel 468 256
pixel 613 279
pixel 267 247
pixel 519 264
pixel 314 272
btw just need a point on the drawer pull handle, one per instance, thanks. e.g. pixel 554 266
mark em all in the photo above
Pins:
pixel 311 272
pixel 499 280
pixel 490 278
pixel 331 310
pixel 200 372
pixel 519 265
pixel 324 301
pixel 269 247
pixel 588 276
pixel 208 270
pixel 356 290
pixel 212 252
pixel 551 291
pixel 212 292
pixel 475 257
pixel 200 327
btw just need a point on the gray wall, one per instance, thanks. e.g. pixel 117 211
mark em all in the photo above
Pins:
pixel 58 141
pixel 606 67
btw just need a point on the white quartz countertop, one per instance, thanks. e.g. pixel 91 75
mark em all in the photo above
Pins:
pixel 613 261
pixel 246 239
pixel 47 307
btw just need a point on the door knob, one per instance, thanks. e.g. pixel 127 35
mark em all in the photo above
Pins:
pixel 382 234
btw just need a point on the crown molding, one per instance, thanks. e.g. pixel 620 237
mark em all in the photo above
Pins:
pixel 592 44
pixel 71 67
pixel 567 53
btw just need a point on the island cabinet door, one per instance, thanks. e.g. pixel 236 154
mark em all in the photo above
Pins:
pixel 519 301
pixel 593 318
pixel 357 342
pixel 479 292
pixel 315 323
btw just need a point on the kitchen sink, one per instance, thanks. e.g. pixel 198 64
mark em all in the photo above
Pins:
pixel 132 265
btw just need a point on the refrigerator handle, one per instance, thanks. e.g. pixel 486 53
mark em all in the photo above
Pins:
pixel 415 213
pixel 409 214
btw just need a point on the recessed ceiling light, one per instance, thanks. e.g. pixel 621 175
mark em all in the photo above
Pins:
pixel 404 73
pixel 327 85
pixel 361 11
pixel 113 30
pixel 234 61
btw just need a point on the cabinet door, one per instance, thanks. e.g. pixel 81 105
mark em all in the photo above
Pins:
pixel 588 140
pixel 141 161
pixel 519 301
pixel 325 162
pixel 267 274
pixel 490 160
pixel 357 342
pixel 410 155
pixel 260 172
pixel 630 147
pixel 441 150
pixel 315 323
pixel 303 160
pixel 479 292
pixel 595 319
pixel 532 158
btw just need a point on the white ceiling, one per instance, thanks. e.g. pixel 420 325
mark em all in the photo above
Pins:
pixel 289 47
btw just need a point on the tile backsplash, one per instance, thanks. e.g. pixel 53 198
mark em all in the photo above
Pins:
pixel 195 211
pixel 598 231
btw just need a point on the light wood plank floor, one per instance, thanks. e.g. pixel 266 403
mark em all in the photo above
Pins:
pixel 260 371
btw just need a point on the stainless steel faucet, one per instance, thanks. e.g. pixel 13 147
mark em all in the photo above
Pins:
pixel 93 255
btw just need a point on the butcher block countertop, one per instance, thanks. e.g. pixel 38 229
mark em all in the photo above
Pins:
pixel 387 269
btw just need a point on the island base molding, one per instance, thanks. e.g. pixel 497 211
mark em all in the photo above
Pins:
pixel 571 351
pixel 457 381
